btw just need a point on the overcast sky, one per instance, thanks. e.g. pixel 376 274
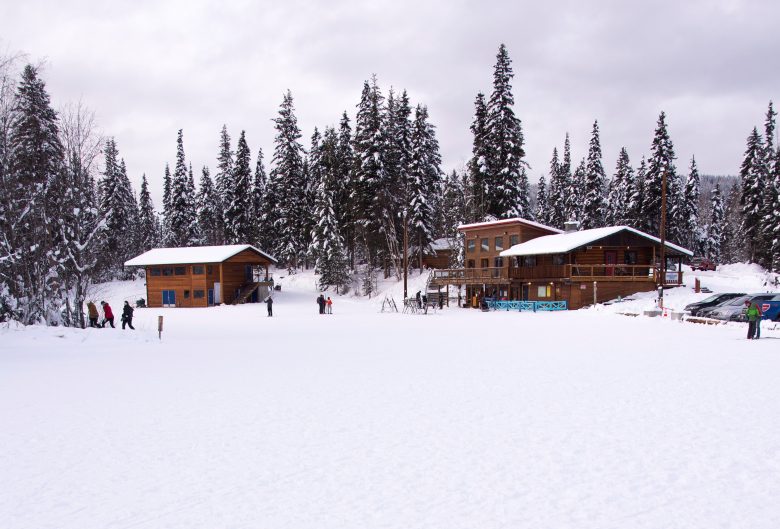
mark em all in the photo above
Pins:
pixel 148 68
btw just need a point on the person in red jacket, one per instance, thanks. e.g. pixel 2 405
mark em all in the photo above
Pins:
pixel 108 315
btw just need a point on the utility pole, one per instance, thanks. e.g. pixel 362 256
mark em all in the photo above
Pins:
pixel 663 236
pixel 406 253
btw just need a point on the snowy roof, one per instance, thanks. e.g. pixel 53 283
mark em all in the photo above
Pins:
pixel 192 254
pixel 516 220
pixel 441 244
pixel 566 242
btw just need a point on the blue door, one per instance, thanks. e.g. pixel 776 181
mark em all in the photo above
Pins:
pixel 169 298
pixel 211 297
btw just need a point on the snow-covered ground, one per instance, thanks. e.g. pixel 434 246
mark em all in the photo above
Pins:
pixel 459 419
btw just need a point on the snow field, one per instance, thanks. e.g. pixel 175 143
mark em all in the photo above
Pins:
pixel 458 419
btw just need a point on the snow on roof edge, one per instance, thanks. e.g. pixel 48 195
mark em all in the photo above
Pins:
pixel 566 242
pixel 193 254
pixel 508 221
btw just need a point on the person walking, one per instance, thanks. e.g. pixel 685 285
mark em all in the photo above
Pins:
pixel 753 314
pixel 108 315
pixel 321 303
pixel 329 304
pixel 127 316
pixel 93 314
pixel 269 302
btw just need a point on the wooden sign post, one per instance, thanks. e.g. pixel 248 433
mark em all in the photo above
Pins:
pixel 159 326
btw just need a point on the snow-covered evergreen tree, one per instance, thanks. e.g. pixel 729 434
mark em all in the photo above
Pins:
pixel 556 198
pixel 166 212
pixel 716 226
pixel 239 226
pixel 621 188
pixel 119 208
pixel 542 202
pixel 634 216
pixel 507 179
pixel 286 186
pixel 594 207
pixel 258 207
pixel 732 244
pixel 691 235
pixel 346 188
pixel 574 193
pixel 479 192
pixel 182 224
pixel 209 213
pixel 661 161
pixel 148 227
pixel 425 175
pixel 751 175
pixel 769 196
pixel 223 178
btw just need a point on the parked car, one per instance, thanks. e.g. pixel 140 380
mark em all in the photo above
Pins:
pixel 770 307
pixel 715 299
pixel 729 310
pixel 702 263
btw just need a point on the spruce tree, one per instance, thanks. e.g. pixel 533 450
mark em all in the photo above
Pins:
pixel 148 228
pixel 556 198
pixel 691 235
pixel 507 179
pixel 751 175
pixel 166 213
pixel 769 198
pixel 286 185
pixel 182 222
pixel 716 226
pixel 208 210
pixel 621 189
pixel 238 205
pixel 732 244
pixel 542 203
pixel 661 161
pixel 424 175
pixel 346 188
pixel 258 206
pixel 594 207
pixel 479 192
pixel 119 208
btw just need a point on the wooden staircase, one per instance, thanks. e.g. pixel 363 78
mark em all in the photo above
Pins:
pixel 245 293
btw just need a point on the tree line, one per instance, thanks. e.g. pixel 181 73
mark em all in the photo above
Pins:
pixel 69 215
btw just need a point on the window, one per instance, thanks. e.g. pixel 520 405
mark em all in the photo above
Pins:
pixel 543 291
pixel 181 270
pixel 186 294
pixel 197 270
pixel 630 257
pixel 470 263
pixel 499 244
pixel 498 262
pixel 199 294
pixel 167 271
pixel 155 271
pixel 484 245
pixel 514 239
pixel 559 259
pixel 472 245
pixel 209 269
pixel 483 263
pixel 529 260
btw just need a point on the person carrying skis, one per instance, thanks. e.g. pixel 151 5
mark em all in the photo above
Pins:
pixel 93 314
pixel 127 316
pixel 108 315
pixel 753 314
pixel 329 304
pixel 269 302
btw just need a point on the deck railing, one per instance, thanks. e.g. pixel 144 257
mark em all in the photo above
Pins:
pixel 528 306
pixel 471 274
pixel 571 272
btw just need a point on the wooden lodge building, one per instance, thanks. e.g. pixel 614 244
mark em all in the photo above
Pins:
pixel 517 259
pixel 202 276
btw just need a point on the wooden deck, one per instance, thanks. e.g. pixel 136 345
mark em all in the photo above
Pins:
pixel 573 273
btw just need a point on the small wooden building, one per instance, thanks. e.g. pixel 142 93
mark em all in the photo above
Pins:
pixel 202 276
pixel 438 255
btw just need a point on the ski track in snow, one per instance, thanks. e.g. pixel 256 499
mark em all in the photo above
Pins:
pixel 458 419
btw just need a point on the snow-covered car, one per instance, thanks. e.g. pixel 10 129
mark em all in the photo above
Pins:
pixel 711 301
pixel 702 263
pixel 727 310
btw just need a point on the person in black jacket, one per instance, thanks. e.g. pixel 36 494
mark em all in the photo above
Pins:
pixel 270 304
pixel 127 316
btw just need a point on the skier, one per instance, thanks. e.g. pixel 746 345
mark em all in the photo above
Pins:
pixel 93 314
pixel 127 316
pixel 321 303
pixel 108 315
pixel 269 302
pixel 329 303
pixel 753 314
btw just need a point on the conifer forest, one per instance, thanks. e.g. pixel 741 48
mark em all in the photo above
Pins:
pixel 339 200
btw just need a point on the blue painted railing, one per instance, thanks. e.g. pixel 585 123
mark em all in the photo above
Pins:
pixel 532 306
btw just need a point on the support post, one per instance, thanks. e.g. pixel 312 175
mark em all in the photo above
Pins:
pixel 663 227
pixel 406 253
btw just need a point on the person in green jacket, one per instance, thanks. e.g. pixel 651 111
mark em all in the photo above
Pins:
pixel 753 314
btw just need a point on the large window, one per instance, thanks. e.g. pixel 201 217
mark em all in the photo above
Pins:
pixel 199 294
pixel 471 245
pixel 499 244
pixel 514 239
pixel 559 259
pixel 630 257
pixel 484 263
pixel 498 262
pixel 181 270
pixel 529 260
pixel 155 271
pixel 484 244
pixel 198 270
pixel 544 291
pixel 167 271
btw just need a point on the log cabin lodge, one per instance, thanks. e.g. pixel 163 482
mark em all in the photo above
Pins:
pixel 517 259
pixel 202 276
